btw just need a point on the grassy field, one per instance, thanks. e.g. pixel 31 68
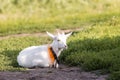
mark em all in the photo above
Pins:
pixel 96 47
pixel 34 16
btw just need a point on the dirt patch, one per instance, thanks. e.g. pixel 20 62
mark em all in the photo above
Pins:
pixel 22 35
pixel 63 73
pixel 42 34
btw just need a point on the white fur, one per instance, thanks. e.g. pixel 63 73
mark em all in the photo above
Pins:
pixel 38 55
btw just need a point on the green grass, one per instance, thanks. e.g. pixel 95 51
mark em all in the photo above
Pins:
pixel 66 22
pixel 115 76
pixel 96 48
pixel 23 16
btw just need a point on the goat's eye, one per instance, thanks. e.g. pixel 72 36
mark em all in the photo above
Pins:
pixel 58 40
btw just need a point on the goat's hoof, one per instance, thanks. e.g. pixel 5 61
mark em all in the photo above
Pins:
pixel 57 66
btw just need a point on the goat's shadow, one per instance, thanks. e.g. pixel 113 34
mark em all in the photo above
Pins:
pixel 12 56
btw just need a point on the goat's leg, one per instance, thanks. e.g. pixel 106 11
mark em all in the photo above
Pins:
pixel 56 65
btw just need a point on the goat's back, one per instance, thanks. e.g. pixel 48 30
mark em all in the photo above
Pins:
pixel 34 56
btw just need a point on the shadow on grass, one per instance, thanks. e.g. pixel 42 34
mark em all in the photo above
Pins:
pixel 11 57
pixel 95 45
pixel 88 47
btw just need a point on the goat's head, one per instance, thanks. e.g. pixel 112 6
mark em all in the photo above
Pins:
pixel 59 40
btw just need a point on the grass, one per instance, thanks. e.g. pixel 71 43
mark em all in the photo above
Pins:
pixel 35 16
pixel 66 22
pixel 93 48
pixel 96 47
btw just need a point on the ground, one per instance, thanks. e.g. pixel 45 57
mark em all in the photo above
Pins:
pixel 63 73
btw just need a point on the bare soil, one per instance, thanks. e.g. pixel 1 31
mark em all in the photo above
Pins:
pixel 63 73
pixel 41 34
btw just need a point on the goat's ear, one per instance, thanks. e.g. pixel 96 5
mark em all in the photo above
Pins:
pixel 67 35
pixel 51 35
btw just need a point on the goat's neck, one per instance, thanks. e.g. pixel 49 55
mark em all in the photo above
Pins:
pixel 56 50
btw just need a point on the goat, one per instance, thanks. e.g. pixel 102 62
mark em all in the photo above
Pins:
pixel 44 55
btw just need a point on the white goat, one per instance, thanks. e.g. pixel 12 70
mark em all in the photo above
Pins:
pixel 44 55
